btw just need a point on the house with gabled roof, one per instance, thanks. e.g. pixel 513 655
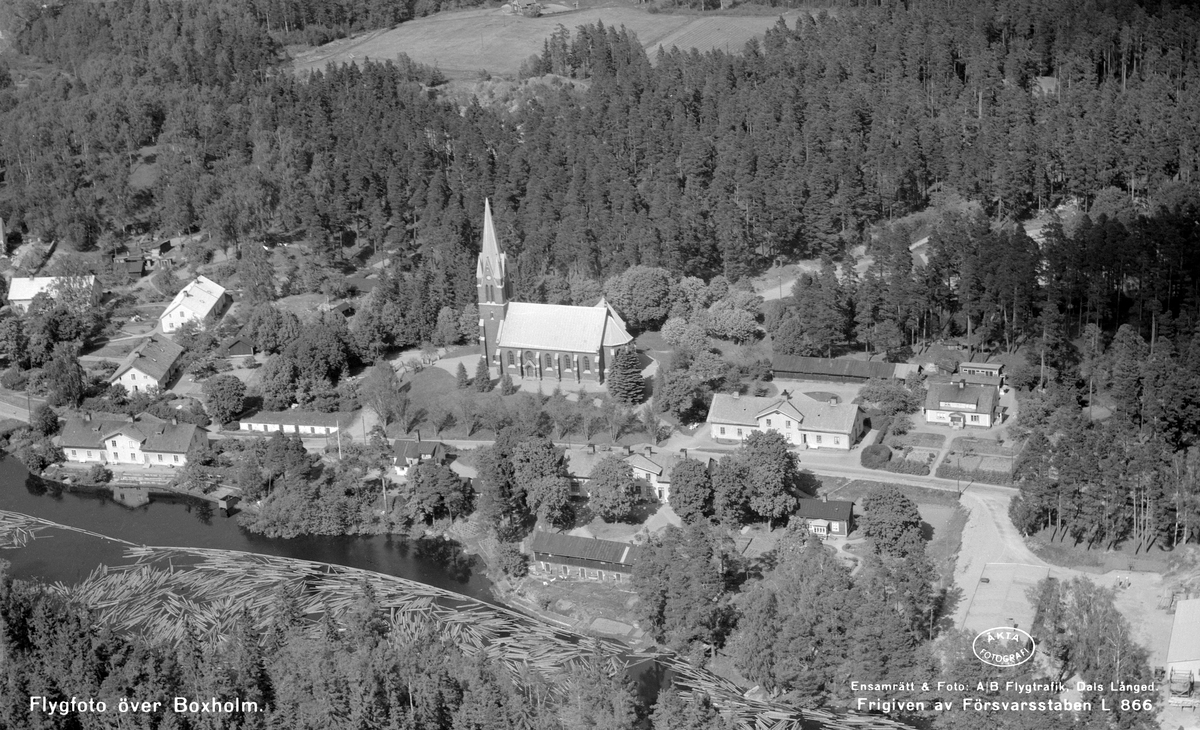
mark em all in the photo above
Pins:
pixel 152 364
pixel 825 517
pixel 568 556
pixel 143 440
pixel 201 299
pixel 654 467
pixel 960 404
pixel 802 420
pixel 407 453
pixel 540 341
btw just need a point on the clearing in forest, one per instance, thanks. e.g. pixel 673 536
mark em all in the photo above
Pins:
pixel 461 44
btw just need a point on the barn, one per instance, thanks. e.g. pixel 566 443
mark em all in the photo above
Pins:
pixel 837 370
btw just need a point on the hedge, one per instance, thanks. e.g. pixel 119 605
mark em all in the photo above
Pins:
pixel 907 466
pixel 949 471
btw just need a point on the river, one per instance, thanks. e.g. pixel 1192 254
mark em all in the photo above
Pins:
pixel 172 521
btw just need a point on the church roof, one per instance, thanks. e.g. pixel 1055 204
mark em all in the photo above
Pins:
pixel 491 258
pixel 553 327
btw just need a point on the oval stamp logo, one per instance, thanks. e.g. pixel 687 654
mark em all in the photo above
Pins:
pixel 1003 646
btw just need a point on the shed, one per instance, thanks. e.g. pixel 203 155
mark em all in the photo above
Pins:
pixel 1183 653
pixel 838 370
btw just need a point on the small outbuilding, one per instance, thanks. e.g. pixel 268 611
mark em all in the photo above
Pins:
pixel 826 518
pixel 1183 653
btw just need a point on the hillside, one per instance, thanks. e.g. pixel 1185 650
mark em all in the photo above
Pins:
pixel 463 43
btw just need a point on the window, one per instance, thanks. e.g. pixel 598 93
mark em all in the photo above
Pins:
pixel 327 430
pixel 160 457
pixel 176 457
pixel 722 430
pixel 739 433
pixel 114 443
pixel 510 358
pixel 837 440
pixel 89 454
pixel 768 423
pixel 974 418
pixel 74 452
pixel 566 362
pixel 549 361
pixel 818 439
pixel 787 424
pixel 587 364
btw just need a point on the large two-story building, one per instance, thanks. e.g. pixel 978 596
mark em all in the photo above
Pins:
pixel 144 440
pixel 200 300
pixel 802 420
pixel 152 364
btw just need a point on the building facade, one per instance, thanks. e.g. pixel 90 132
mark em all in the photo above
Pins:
pixel 803 421
pixel 141 441
pixel 152 364
pixel 201 299
pixel 540 341
pixel 567 556
pixel 959 404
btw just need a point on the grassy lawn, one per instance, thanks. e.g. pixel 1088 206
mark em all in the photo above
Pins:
pixel 1123 557
pixel 854 490
pixel 916 440
pixel 942 550
pixel 987 447
pixel 433 393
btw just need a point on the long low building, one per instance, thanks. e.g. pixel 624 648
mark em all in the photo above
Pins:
pixel 305 423
pixel 837 370
pixel 568 556
pixel 1183 653
pixel 802 420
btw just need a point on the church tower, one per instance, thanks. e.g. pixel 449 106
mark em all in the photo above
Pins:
pixel 491 280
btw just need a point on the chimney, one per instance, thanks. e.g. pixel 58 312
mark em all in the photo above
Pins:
pixel 592 447
pixel 174 420
pixel 628 450
pixel 87 415
pixel 418 435
pixel 737 394
pixel 649 451
pixel 824 497
pixel 834 400
pixel 962 384
pixel 684 452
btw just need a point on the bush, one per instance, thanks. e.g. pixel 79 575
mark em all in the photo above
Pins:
pixel 876 456
pixel 14 379
pixel 511 560
pixel 98 474
pixel 906 466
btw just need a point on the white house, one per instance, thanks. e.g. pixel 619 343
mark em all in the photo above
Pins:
pixel 80 292
pixel 802 420
pixel 408 453
pixel 152 364
pixel 305 423
pixel 144 441
pixel 961 404
pixel 200 299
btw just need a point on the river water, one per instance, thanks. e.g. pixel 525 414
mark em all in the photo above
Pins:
pixel 171 521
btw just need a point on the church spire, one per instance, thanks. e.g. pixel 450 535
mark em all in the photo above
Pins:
pixel 491 259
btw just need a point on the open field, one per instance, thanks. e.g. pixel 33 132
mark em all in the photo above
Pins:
pixel 460 44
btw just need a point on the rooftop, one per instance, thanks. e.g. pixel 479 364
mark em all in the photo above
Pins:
pixel 300 418
pixel 835 367
pixel 584 548
pixel 812 414
pixel 1185 633
pixel 22 288
pixel 154 356
pixel 200 296
pixel 980 398
pixel 819 509
pixel 154 434
pixel 559 328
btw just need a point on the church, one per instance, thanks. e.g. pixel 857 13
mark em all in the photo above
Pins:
pixel 541 341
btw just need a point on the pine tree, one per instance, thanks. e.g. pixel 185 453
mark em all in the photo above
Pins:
pixel 624 380
pixel 461 378
pixel 506 385
pixel 483 376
